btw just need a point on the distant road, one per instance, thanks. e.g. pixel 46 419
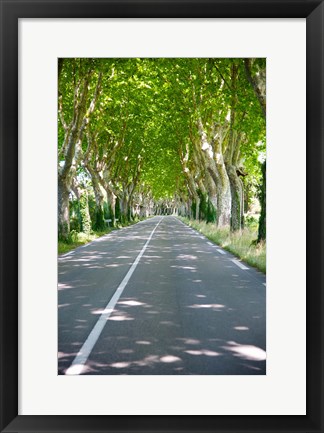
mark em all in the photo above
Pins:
pixel 159 298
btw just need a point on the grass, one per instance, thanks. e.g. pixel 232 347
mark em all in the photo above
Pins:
pixel 79 239
pixel 241 243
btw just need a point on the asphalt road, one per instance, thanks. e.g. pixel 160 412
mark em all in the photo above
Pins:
pixel 159 298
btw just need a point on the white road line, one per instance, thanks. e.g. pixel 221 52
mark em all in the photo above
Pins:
pixel 239 264
pixel 84 353
pixel 209 243
pixel 221 251
pixel 66 254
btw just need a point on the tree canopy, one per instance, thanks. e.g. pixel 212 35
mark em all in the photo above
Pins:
pixel 146 136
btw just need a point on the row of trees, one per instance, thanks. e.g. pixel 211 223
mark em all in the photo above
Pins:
pixel 145 136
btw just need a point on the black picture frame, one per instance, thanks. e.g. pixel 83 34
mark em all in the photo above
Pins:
pixel 11 11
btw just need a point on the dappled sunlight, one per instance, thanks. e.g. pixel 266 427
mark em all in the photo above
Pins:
pixel 147 361
pixel 131 303
pixel 186 257
pixel 62 286
pixel 214 307
pixel 190 268
pixel 84 258
pixel 190 341
pixel 248 352
pixel 99 311
pixel 120 364
pixel 61 355
pixel 169 358
pixel 202 352
pixel 63 305
pixel 168 323
pixel 136 238
pixel 126 351
pixel 120 318
pixel 164 322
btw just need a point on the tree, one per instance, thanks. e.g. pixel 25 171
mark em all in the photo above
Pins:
pixel 74 116
pixel 256 75
pixel 160 135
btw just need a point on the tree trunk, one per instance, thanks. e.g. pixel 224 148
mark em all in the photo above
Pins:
pixel 111 199
pixel 99 223
pixel 214 163
pixel 259 87
pixel 197 207
pixel 223 213
pixel 223 208
pixel 72 148
pixel 236 198
pixel 124 208
pixel 63 210
pixel 263 219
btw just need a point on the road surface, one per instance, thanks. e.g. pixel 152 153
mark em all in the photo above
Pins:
pixel 159 298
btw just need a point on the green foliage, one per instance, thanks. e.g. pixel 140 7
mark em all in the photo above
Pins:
pixel 211 212
pixel 85 215
pixel 207 211
pixel 77 239
pixel 75 216
pixel 145 122
pixel 251 222
pixel 63 233
pixel 99 223
pixel 193 208
pixel 107 210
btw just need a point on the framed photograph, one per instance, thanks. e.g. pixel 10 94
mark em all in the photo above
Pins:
pixel 113 113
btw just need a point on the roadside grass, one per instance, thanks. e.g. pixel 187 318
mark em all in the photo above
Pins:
pixel 78 239
pixel 241 244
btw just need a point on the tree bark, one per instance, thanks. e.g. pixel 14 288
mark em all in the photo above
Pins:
pixel 260 92
pixel 214 163
pixel 263 220
pixel 224 199
pixel 258 89
pixel 237 198
pixel 124 208
pixel 111 199
pixel 99 223
pixel 63 210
